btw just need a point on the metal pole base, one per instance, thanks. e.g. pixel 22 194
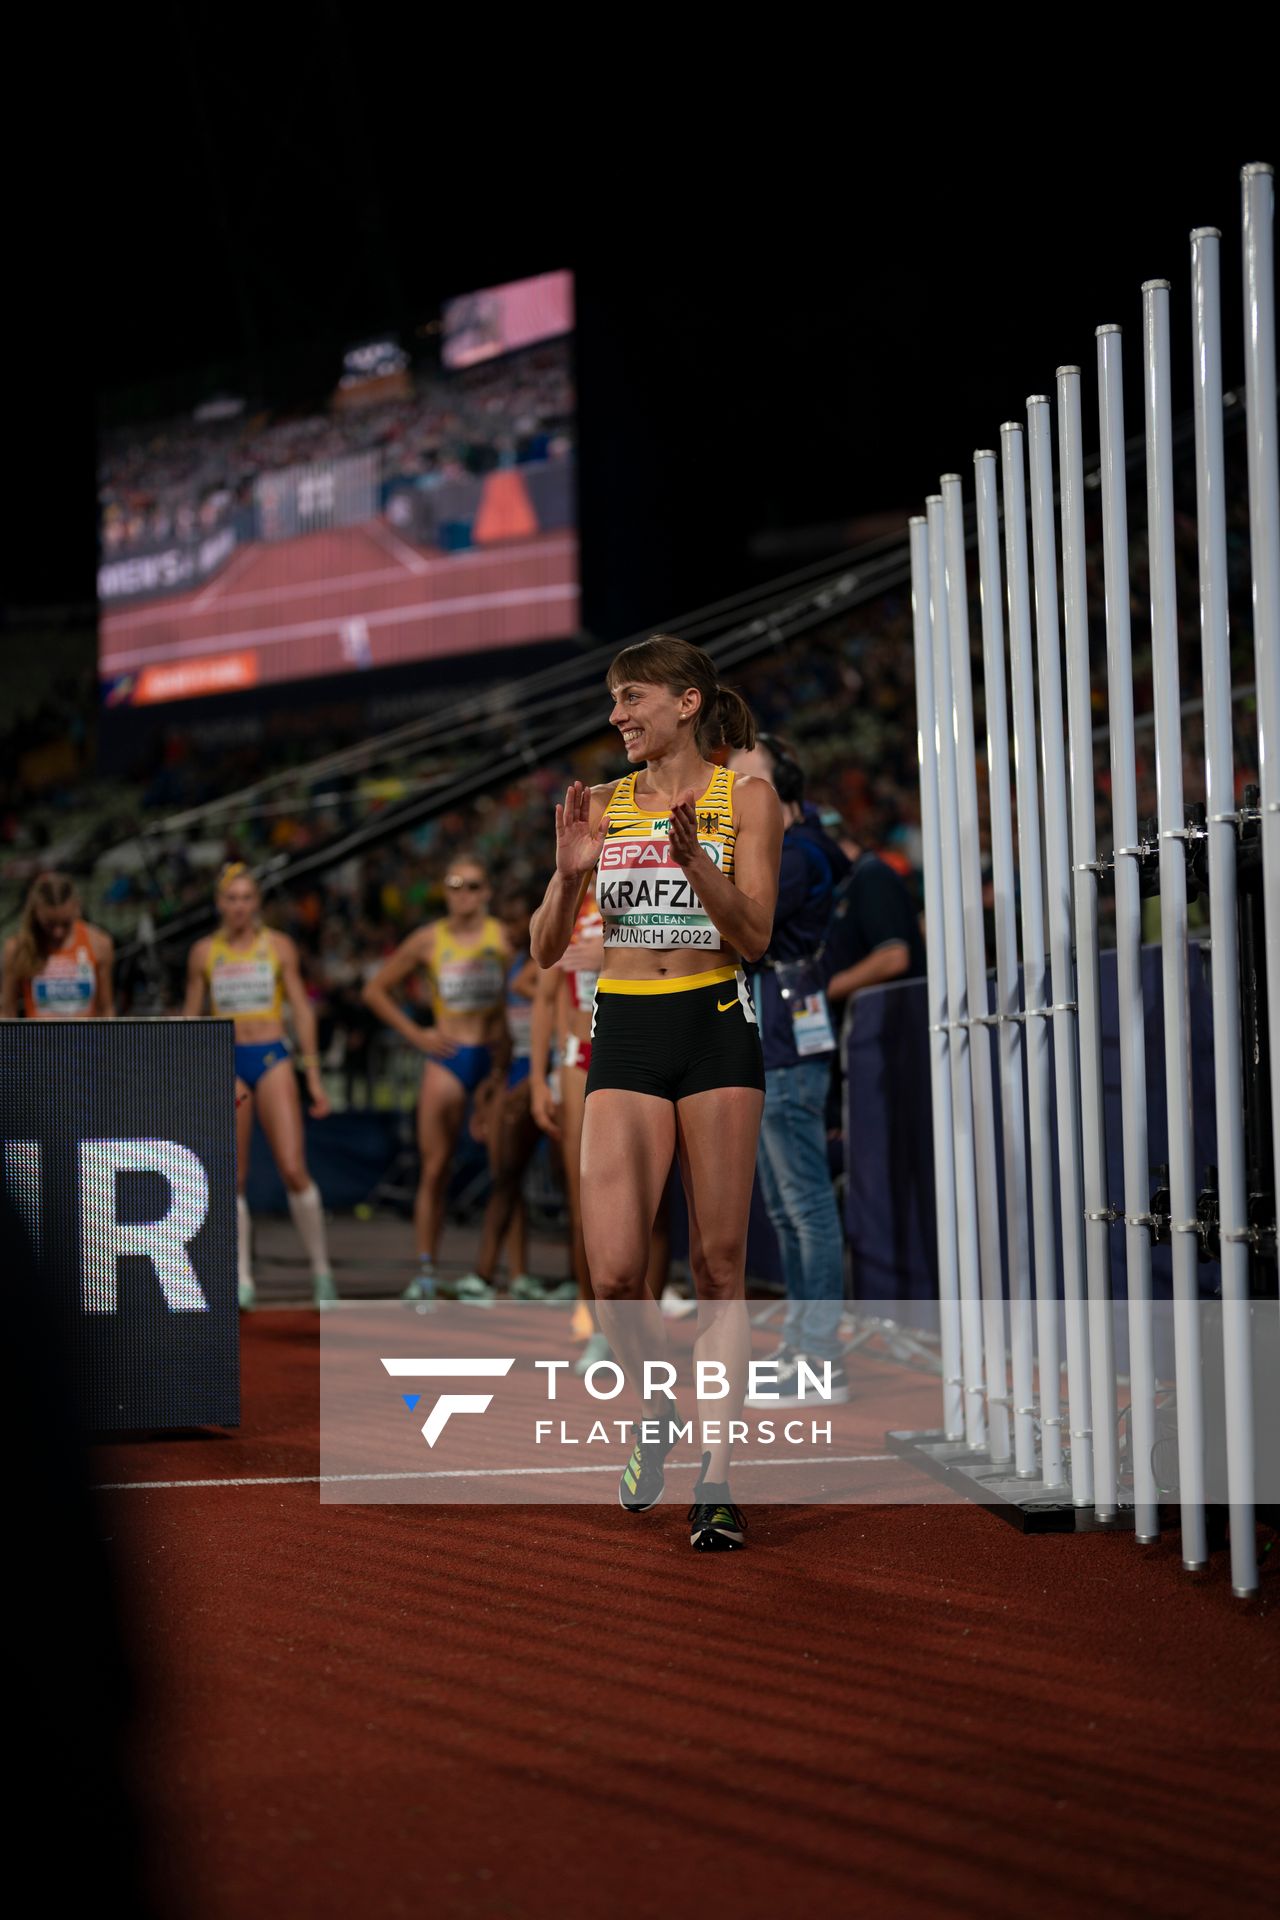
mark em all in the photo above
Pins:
pixel 1028 1505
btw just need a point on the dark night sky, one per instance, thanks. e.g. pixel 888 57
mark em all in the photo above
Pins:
pixel 780 324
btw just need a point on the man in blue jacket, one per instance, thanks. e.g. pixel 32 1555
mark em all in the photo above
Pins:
pixel 799 1044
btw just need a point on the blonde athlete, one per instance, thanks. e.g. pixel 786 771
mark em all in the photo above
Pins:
pixel 248 971
pixel 56 966
pixel 466 957
pixel 686 861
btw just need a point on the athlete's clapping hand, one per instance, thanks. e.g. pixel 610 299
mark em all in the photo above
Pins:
pixel 578 844
pixel 682 834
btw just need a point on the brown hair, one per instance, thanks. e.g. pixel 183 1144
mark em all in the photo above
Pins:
pixel 46 890
pixel 724 719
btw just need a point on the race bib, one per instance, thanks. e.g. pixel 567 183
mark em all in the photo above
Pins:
pixel 470 986
pixel 63 995
pixel 243 987
pixel 648 901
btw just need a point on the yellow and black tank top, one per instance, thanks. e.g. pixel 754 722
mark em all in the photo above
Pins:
pixel 644 898
pixel 246 983
pixel 468 976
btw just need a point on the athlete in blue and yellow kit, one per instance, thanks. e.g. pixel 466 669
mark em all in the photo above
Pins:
pixel 685 858
pixel 466 957
pixel 247 971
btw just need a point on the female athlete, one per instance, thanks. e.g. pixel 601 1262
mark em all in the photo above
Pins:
pixel 56 966
pixel 687 858
pixel 503 1119
pixel 465 956
pixel 248 971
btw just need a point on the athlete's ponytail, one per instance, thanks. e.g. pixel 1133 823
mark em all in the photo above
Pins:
pixel 46 890
pixel 724 718
pixel 737 727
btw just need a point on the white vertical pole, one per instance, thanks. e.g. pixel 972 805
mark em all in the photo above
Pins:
pixel 944 1176
pixel 1035 1020
pixel 975 942
pixel 1084 849
pixel 1008 1032
pixel 1173 919
pixel 1258 185
pixel 1233 1219
pixel 1058 863
pixel 958 1033
pixel 1124 819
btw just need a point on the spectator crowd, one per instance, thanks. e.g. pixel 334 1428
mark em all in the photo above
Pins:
pixel 186 478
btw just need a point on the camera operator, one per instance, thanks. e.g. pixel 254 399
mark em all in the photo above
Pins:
pixel 799 1045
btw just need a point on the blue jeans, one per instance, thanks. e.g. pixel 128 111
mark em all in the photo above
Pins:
pixel 801 1203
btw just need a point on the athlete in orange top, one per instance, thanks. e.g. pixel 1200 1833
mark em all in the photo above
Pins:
pixel 57 966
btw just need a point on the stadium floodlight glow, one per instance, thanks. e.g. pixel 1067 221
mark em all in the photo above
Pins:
pixel 936 978
pixel 1035 1023
pixel 1173 919
pixel 999 1444
pixel 1062 968
pixel 1009 1028
pixel 1084 875
pixel 958 1033
pixel 1233 1215
pixel 1128 896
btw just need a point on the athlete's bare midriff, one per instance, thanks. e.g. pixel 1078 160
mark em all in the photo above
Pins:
pixel 252 1032
pixel 469 1029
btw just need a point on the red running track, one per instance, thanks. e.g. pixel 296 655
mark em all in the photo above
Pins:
pixel 889 1711
pixel 332 602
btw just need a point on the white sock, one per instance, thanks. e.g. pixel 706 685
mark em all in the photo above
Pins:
pixel 307 1209
pixel 244 1239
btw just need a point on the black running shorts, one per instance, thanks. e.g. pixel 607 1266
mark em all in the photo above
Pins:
pixel 672 1038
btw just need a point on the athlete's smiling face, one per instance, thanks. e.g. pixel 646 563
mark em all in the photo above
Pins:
pixel 648 717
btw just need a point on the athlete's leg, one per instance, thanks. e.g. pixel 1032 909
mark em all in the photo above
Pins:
pixel 573 1094
pixel 627 1144
pixel 280 1112
pixel 244 1230
pixel 513 1136
pixel 659 1268
pixel 717 1133
pixel 442 1102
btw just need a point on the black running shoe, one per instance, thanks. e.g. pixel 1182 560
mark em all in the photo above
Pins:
pixel 715 1524
pixel 644 1475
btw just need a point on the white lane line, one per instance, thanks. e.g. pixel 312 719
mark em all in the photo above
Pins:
pixel 397 548
pixel 216 586
pixel 443 565
pixel 219 643
pixel 463 1473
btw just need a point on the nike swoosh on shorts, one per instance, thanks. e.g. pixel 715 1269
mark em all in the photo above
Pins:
pixel 723 1006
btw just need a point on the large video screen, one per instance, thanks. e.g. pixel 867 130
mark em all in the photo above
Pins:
pixel 424 506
